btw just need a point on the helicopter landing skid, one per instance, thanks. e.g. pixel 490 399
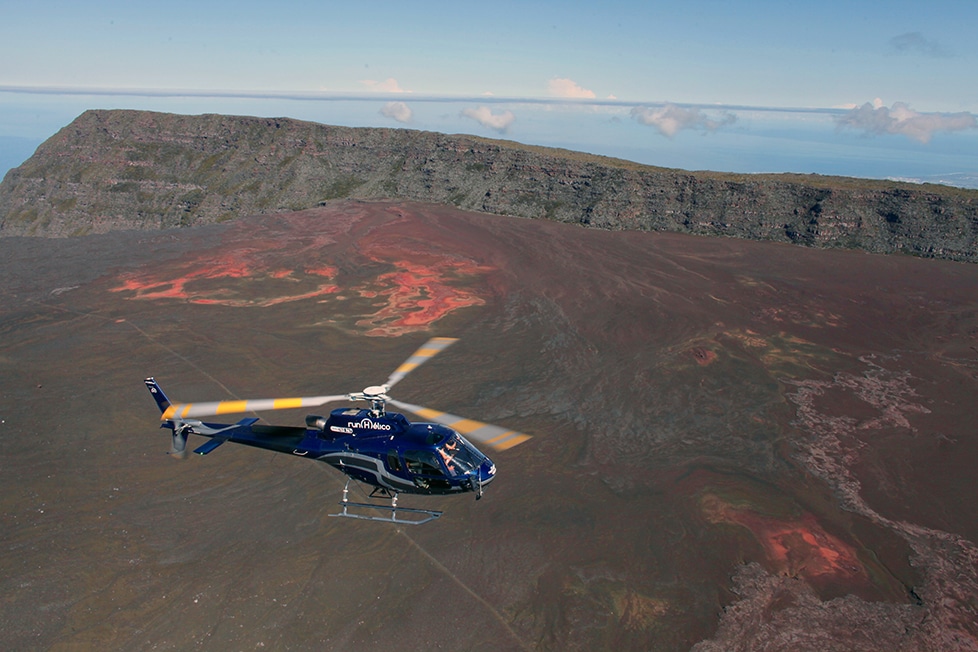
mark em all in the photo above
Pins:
pixel 424 515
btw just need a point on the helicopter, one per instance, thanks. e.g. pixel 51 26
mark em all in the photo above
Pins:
pixel 371 445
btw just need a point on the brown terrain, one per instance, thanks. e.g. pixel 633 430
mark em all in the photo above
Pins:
pixel 737 445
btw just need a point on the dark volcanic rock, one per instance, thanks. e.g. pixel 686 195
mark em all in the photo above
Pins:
pixel 113 170
pixel 736 445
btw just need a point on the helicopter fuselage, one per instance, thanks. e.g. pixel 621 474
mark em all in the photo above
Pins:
pixel 378 448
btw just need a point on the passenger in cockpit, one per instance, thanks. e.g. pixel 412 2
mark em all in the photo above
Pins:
pixel 448 452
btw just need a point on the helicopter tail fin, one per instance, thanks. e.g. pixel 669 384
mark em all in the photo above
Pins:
pixel 154 388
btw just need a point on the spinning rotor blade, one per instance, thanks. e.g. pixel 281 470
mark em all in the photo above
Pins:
pixel 214 408
pixel 495 437
pixel 430 349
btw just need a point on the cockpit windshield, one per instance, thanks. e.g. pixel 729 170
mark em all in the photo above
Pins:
pixel 460 456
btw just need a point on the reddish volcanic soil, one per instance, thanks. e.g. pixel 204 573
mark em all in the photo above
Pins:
pixel 736 445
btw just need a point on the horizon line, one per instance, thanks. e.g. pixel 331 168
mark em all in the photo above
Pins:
pixel 406 96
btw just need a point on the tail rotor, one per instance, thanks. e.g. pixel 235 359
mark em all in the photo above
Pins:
pixel 179 447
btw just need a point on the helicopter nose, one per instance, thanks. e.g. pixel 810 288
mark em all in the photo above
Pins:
pixel 487 471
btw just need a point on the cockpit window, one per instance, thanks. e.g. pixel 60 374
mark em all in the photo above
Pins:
pixel 435 435
pixel 422 462
pixel 460 456
pixel 393 463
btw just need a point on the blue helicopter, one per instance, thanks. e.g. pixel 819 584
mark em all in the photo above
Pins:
pixel 370 445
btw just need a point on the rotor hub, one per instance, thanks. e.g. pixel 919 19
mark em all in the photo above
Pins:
pixel 375 391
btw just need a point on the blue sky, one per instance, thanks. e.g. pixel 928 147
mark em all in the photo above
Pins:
pixel 884 90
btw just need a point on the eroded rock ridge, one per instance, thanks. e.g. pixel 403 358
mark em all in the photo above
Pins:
pixel 123 169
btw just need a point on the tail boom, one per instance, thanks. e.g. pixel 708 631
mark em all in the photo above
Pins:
pixel 161 400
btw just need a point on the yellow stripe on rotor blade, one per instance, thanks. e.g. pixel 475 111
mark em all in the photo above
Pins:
pixel 406 367
pixel 428 413
pixel 434 346
pixel 231 407
pixel 500 442
pixel 465 426
pixel 286 403
pixel 507 440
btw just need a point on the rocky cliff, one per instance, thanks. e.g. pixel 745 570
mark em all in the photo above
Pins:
pixel 141 170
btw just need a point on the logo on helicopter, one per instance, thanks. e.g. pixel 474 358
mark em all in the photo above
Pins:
pixel 367 424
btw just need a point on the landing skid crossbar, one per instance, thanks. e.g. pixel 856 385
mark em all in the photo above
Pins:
pixel 425 515
pixel 429 515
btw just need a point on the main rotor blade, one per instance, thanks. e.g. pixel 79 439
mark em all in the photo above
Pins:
pixel 213 408
pixel 496 437
pixel 431 348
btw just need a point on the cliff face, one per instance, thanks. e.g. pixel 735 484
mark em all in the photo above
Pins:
pixel 139 170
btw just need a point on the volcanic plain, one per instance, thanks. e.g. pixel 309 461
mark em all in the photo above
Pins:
pixel 736 445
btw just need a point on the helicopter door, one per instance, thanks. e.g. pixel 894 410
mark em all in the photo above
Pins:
pixel 425 469
pixel 393 461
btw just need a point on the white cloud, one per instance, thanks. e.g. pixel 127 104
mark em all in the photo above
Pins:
pixel 497 121
pixel 670 119
pixel 900 119
pixel 389 85
pixel 562 87
pixel 398 111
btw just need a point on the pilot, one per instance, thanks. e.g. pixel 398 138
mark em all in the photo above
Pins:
pixel 448 453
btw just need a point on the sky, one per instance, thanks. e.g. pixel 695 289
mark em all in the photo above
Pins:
pixel 856 87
